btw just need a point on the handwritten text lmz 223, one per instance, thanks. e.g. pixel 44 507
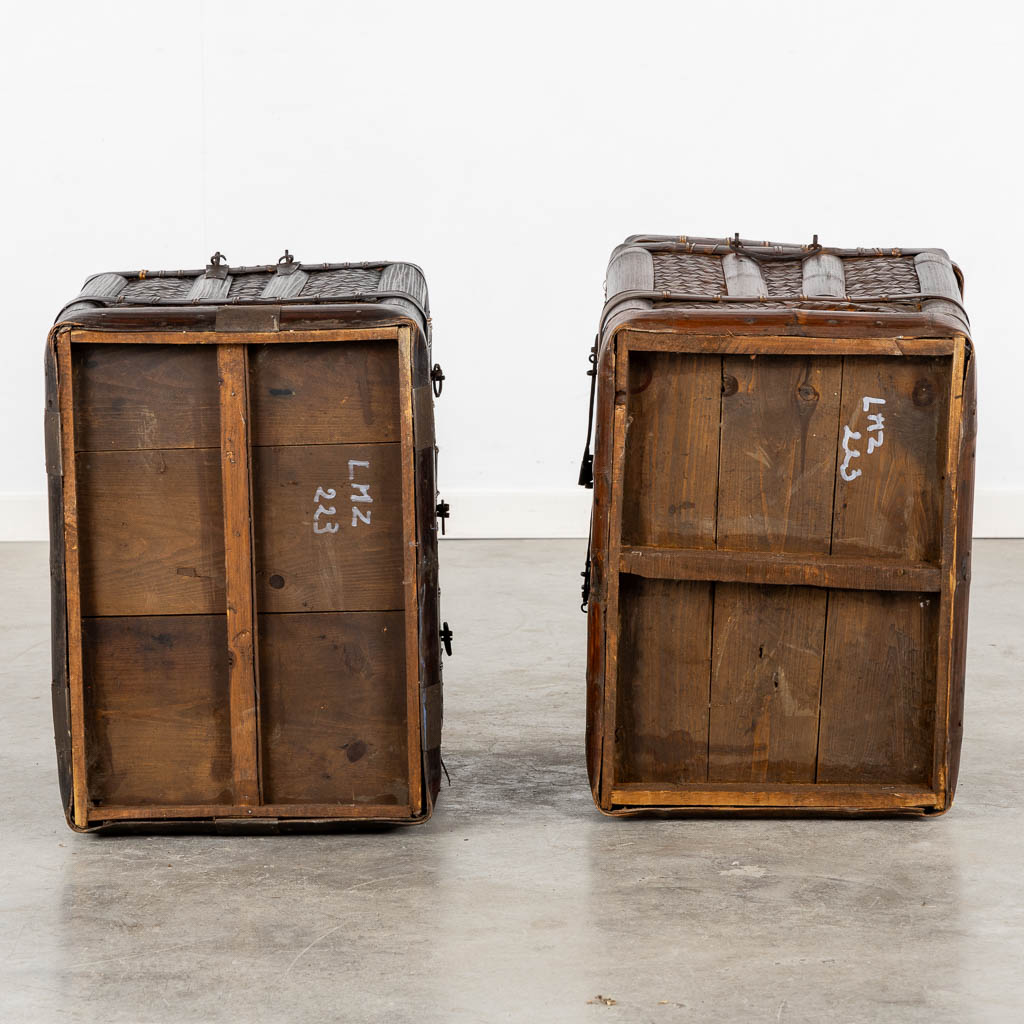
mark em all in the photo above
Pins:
pixel 360 499
pixel 876 438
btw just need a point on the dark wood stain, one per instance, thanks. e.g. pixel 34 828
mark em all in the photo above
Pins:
pixel 157 715
pixel 333 722
pixel 357 567
pixel 336 394
pixel 764 633
pixel 200 678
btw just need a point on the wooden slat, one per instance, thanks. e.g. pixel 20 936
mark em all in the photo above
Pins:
pixel 950 561
pixel 892 506
pixel 630 268
pixel 777 464
pixel 285 286
pixel 73 581
pixel 663 683
pixel 878 688
pixel 145 397
pixel 854 572
pixel 824 275
pixel 232 368
pixel 355 561
pixel 665 341
pixel 409 573
pixel 408 279
pixel 330 812
pixel 936 277
pixel 83 335
pixel 840 797
pixel 742 276
pixel 611 664
pixel 158 709
pixel 210 287
pixel 671 458
pixel 152 535
pixel 765 683
pixel 333 708
pixel 324 394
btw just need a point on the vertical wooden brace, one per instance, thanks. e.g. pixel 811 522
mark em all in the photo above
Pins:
pixel 76 684
pixel 236 473
pixel 409 573
pixel 950 557
pixel 612 625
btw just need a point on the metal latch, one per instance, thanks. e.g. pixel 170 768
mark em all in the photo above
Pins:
pixel 217 268
pixel 446 638
pixel 586 478
pixel 585 589
pixel 286 264
pixel 443 511
pixel 437 379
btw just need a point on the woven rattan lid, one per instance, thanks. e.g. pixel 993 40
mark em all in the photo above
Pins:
pixel 285 283
pixel 738 276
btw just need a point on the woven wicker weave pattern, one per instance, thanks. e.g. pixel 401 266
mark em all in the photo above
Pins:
pixel 881 275
pixel 349 281
pixel 694 275
pixel 162 288
pixel 248 286
pixel 783 278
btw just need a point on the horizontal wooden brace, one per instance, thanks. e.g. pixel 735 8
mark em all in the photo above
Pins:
pixel 820 795
pixel 80 335
pixel 114 812
pixel 833 571
pixel 719 344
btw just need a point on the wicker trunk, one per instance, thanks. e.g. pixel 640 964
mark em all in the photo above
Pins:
pixel 243 543
pixel 781 534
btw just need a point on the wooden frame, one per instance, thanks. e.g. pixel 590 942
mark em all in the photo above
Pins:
pixel 615 558
pixel 242 621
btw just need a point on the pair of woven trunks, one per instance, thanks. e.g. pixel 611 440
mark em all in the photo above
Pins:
pixel 244 516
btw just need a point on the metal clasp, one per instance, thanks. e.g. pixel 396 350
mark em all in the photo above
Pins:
pixel 217 268
pixel 437 379
pixel 443 512
pixel 286 264
pixel 446 638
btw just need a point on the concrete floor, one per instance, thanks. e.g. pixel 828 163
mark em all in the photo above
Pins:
pixel 518 901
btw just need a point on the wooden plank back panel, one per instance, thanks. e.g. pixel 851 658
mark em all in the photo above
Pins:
pixel 765 683
pixel 889 496
pixel 328 527
pixel 333 708
pixel 145 396
pixel 157 713
pixel 671 458
pixel 664 670
pixel 779 419
pixel 152 532
pixel 325 393
pixel 878 688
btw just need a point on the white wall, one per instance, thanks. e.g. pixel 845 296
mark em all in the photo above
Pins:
pixel 507 151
